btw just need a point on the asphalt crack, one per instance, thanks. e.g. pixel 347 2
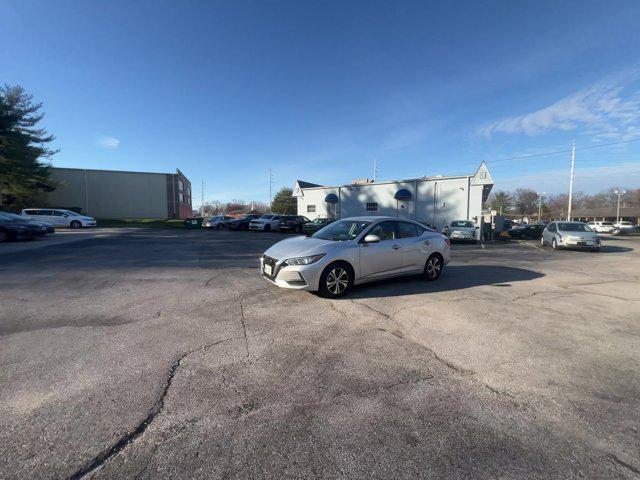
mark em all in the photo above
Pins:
pixel 103 457
pixel 624 464
pixel 244 325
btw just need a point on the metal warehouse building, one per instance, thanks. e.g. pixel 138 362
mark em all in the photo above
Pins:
pixel 431 200
pixel 118 194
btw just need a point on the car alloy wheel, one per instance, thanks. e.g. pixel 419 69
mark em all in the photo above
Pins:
pixel 336 280
pixel 433 269
pixel 554 244
pixel 76 224
pixel 542 241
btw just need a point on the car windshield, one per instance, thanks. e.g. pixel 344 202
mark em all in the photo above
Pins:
pixel 462 224
pixel 7 218
pixel 69 212
pixel 607 223
pixel 318 221
pixel 267 217
pixel 574 227
pixel 342 230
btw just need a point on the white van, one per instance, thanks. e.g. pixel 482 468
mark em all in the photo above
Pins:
pixel 602 227
pixel 59 217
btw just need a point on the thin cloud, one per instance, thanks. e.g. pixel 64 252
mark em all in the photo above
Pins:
pixel 106 141
pixel 608 110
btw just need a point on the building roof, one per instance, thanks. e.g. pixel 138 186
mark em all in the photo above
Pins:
pixel 481 177
pixel 606 212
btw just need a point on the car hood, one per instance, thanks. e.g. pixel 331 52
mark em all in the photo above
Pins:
pixel 300 247
pixel 580 235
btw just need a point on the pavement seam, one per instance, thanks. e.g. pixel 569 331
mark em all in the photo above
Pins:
pixel 103 457
pixel 622 463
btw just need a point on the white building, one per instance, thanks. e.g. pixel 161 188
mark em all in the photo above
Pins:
pixel 431 200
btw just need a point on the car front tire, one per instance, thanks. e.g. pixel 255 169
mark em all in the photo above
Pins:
pixel 554 244
pixel 542 244
pixel 75 224
pixel 267 228
pixel 336 280
pixel 4 237
pixel 433 267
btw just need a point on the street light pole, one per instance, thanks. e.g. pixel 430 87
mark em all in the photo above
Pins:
pixel 573 159
pixel 540 195
pixel 619 193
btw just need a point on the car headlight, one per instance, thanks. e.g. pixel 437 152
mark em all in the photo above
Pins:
pixel 303 260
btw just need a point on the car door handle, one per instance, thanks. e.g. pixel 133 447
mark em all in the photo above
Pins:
pixel 396 247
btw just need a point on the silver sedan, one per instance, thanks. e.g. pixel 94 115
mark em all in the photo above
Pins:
pixel 570 235
pixel 353 251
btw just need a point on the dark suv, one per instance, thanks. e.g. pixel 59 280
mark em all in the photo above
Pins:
pixel 312 227
pixel 292 223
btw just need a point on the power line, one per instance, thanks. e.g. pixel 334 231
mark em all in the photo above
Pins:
pixel 556 152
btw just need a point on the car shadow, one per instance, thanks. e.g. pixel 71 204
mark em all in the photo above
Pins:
pixel 458 277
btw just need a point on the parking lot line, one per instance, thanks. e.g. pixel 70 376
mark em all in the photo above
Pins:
pixel 535 246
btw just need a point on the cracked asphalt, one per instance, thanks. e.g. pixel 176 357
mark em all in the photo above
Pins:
pixel 163 354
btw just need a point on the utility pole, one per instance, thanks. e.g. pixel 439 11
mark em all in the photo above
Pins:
pixel 375 169
pixel 540 195
pixel 619 193
pixel 270 185
pixel 573 159
pixel 202 197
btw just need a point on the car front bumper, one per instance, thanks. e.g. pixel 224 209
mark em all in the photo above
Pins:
pixel 294 277
pixel 570 243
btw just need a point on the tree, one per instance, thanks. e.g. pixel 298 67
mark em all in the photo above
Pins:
pixel 284 203
pixel 212 207
pixel 23 174
pixel 501 201
pixel 526 201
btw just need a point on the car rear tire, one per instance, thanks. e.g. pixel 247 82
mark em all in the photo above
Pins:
pixel 219 226
pixel 4 237
pixel 336 280
pixel 433 267
pixel 267 228
pixel 75 224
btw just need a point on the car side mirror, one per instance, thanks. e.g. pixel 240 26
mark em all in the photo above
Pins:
pixel 371 239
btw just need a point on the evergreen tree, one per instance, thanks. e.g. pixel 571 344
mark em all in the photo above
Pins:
pixel 23 174
pixel 284 203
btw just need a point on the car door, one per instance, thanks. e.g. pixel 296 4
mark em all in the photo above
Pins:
pixel 415 247
pixel 384 257
pixel 550 233
pixel 59 218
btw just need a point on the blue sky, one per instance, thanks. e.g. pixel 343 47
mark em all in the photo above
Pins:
pixel 317 90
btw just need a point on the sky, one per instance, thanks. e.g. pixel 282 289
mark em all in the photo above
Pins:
pixel 225 91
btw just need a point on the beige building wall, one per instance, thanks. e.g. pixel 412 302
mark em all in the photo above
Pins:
pixel 110 194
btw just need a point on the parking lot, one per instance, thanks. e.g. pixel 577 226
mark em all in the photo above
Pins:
pixel 163 354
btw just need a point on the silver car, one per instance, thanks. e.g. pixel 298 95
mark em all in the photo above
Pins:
pixel 570 235
pixel 353 251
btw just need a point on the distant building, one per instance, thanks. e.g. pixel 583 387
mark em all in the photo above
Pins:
pixel 118 194
pixel 631 214
pixel 431 200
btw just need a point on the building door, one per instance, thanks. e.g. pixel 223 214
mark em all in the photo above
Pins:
pixel 404 209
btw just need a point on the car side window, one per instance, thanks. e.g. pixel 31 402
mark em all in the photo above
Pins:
pixel 384 230
pixel 59 213
pixel 552 227
pixel 276 217
pixel 407 230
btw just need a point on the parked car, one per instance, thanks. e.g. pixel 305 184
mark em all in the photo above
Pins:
pixel 218 222
pixel 623 224
pixel 59 217
pixel 12 229
pixel 631 231
pixel 242 223
pixel 527 231
pixel 48 227
pixel 265 223
pixel 313 226
pixel 601 227
pixel 570 235
pixel 461 230
pixel 355 250
pixel 292 223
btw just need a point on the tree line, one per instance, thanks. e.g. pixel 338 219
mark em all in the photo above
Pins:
pixel 525 201
pixel 283 203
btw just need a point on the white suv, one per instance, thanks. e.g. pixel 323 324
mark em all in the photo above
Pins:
pixel 623 224
pixel 266 223
pixel 602 227
pixel 59 217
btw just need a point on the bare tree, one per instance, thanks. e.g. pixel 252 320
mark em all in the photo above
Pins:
pixel 526 202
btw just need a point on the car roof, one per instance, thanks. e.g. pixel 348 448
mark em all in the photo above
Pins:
pixel 374 218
